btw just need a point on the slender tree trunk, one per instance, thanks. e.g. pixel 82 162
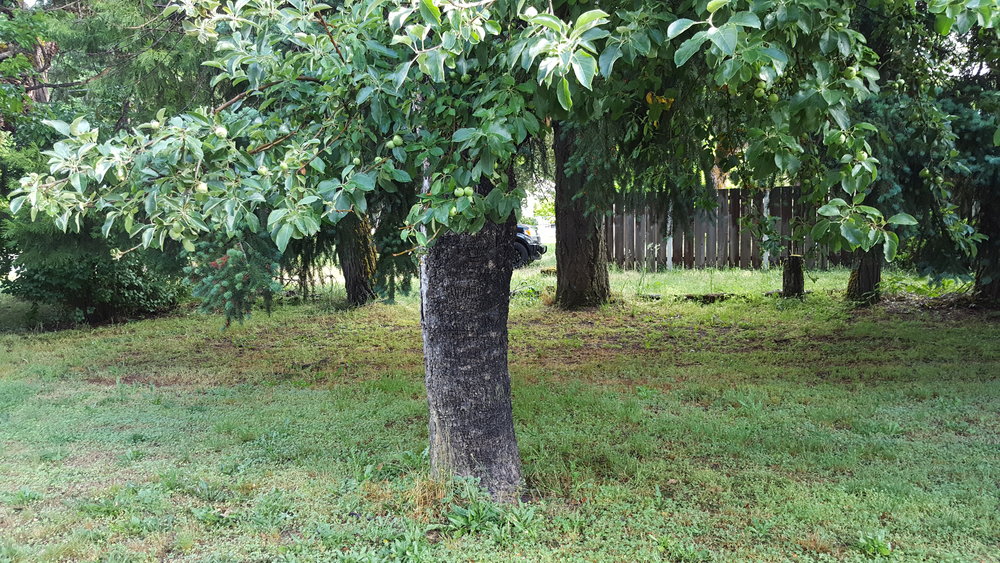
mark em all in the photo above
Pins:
pixel 356 253
pixel 987 287
pixel 465 294
pixel 793 279
pixel 581 249
pixel 866 275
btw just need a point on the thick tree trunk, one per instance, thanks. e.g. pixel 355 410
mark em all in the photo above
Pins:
pixel 356 254
pixel 793 279
pixel 465 293
pixel 581 250
pixel 987 287
pixel 866 275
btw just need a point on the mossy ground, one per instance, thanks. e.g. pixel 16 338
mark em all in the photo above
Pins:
pixel 751 429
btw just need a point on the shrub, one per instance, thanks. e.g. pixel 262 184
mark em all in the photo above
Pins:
pixel 77 273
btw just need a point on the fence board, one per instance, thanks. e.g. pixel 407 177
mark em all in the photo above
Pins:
pixel 642 238
pixel 722 233
pixel 678 247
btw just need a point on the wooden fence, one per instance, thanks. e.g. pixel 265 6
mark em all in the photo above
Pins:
pixel 716 239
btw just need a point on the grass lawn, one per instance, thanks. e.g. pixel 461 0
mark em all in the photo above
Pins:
pixel 751 429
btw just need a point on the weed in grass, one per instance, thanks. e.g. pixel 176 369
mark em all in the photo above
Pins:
pixel 875 544
pixel 132 456
pixel 53 456
pixel 330 535
pixel 272 511
pixel 23 497
pixel 10 553
pixel 141 526
pixel 211 516
pixel 686 551
pixel 477 516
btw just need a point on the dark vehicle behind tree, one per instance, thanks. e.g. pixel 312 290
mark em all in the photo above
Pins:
pixel 528 246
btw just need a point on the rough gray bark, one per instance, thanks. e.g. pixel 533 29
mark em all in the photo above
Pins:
pixel 465 294
pixel 866 275
pixel 356 254
pixel 987 262
pixel 793 279
pixel 581 249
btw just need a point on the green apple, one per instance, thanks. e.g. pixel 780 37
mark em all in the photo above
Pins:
pixel 356 161
pixel 468 192
pixel 221 132
pixel 201 188
pixel 397 140
pixel 459 192
pixel 759 93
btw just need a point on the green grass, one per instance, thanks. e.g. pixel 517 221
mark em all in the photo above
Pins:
pixel 753 429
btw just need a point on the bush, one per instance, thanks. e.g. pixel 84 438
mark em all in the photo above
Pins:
pixel 77 273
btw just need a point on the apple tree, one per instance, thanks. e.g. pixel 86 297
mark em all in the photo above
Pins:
pixel 343 102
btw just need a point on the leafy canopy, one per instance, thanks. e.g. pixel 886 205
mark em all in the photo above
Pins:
pixel 341 101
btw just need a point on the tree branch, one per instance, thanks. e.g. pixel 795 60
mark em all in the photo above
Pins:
pixel 329 34
pixel 260 88
pixel 40 85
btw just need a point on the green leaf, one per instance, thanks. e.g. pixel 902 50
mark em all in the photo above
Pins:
pixel 890 245
pixel 61 126
pixel 829 210
pixel 108 222
pixel 839 114
pixel 283 236
pixel 364 94
pixel 724 38
pixel 715 5
pixel 614 52
pixel 430 12
pixel 275 216
pixel 464 134
pixel 16 204
pixel 401 73
pixel 565 99
pixel 745 19
pixel 852 234
pixel 942 24
pixel 365 181
pixel 996 138
pixel 432 64
pixel 584 67
pixel 689 48
pixel 775 55
pixel 678 27
pixel 549 21
pixel 820 229
pixel 902 219
pixel 589 20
